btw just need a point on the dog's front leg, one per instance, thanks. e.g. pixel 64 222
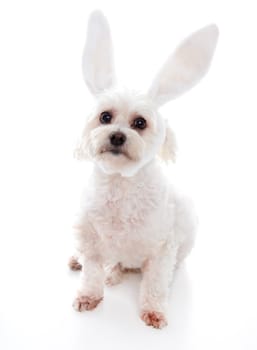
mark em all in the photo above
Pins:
pixel 154 291
pixel 91 287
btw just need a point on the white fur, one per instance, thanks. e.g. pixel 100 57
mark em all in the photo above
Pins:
pixel 131 216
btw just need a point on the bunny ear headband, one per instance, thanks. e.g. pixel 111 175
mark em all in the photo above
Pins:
pixel 184 68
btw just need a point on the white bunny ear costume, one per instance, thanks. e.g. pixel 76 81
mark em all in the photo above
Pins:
pixel 131 216
pixel 182 71
pixel 97 61
pixel 186 66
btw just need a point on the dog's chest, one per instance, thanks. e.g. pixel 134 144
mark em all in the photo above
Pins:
pixel 125 209
pixel 132 217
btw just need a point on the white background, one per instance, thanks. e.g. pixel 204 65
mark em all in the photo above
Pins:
pixel 43 106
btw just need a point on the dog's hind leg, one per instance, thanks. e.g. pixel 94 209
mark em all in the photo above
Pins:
pixel 113 275
pixel 74 264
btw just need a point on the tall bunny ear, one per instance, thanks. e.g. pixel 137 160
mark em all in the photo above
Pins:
pixel 97 61
pixel 186 66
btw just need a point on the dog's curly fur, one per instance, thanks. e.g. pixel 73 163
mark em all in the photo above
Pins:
pixel 131 217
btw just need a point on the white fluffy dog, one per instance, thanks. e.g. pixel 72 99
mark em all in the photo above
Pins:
pixel 131 216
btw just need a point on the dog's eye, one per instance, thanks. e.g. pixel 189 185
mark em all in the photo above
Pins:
pixel 139 123
pixel 105 117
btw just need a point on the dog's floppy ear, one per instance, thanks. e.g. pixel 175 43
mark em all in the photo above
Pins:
pixel 80 150
pixel 169 147
pixel 97 61
pixel 186 66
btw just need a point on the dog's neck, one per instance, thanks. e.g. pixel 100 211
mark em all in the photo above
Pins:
pixel 148 171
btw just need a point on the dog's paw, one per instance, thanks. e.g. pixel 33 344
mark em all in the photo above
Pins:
pixel 74 265
pixel 131 269
pixel 86 303
pixel 113 278
pixel 154 319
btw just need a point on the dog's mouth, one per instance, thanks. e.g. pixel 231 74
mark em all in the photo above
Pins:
pixel 115 151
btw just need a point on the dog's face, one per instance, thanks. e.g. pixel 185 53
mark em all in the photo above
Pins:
pixel 123 133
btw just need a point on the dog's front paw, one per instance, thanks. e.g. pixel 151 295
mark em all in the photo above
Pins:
pixel 154 319
pixel 83 303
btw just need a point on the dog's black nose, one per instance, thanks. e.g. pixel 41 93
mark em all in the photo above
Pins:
pixel 117 139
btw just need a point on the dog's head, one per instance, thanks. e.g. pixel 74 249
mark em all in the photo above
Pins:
pixel 123 133
pixel 125 130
